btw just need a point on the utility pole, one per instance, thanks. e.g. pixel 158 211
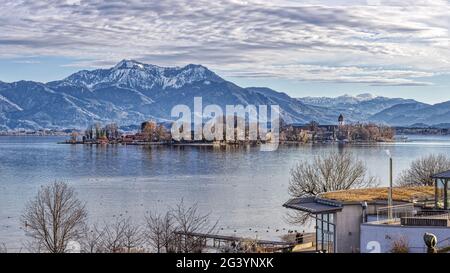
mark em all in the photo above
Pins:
pixel 390 189
pixel 390 186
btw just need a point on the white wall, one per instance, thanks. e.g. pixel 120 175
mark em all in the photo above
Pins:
pixel 348 223
pixel 379 238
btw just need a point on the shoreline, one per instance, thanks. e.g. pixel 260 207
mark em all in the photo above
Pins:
pixel 203 144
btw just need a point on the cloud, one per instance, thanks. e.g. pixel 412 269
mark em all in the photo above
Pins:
pixel 342 74
pixel 26 62
pixel 374 42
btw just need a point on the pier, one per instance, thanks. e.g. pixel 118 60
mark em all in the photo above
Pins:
pixel 216 241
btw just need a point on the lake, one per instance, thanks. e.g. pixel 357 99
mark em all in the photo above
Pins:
pixel 243 188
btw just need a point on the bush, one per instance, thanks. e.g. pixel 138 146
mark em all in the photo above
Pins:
pixel 400 245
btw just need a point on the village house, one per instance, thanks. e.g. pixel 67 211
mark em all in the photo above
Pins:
pixel 341 132
pixel 323 133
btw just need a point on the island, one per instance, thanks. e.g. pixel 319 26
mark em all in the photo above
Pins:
pixel 153 133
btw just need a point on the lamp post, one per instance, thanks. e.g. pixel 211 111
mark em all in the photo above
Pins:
pixel 390 185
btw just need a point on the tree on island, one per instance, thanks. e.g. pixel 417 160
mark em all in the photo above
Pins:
pixel 331 172
pixel 111 131
pixel 73 137
pixel 96 132
pixel 367 132
pixel 54 218
pixel 421 170
pixel 154 132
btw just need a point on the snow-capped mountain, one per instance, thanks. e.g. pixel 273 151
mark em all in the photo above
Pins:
pixel 136 75
pixel 383 110
pixel 131 92
pixel 355 108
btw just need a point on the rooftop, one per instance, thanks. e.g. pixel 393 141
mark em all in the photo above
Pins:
pixel 443 175
pixel 312 205
pixel 402 194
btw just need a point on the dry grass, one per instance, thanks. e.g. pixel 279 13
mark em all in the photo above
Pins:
pixel 405 194
pixel 400 245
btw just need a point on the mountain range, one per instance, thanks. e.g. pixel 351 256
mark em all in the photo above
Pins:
pixel 131 92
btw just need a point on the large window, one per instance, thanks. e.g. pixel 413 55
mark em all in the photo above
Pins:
pixel 442 193
pixel 325 235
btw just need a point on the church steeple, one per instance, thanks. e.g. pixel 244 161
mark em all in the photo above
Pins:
pixel 341 120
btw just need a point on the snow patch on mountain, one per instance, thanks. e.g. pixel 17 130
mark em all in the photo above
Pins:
pixel 133 74
pixel 8 102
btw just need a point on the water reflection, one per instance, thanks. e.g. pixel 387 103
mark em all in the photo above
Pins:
pixel 241 186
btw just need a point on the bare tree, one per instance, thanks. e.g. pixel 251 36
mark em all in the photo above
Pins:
pixel 133 236
pixel 112 131
pixel 34 246
pixel 150 130
pixel 421 170
pixel 154 232
pixel 122 235
pixel 3 248
pixel 188 220
pixel 92 239
pixel 332 172
pixel 336 171
pixel 54 217
pixel 159 232
pixel 74 137
pixel 113 236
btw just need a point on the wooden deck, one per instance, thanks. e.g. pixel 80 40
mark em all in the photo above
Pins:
pixel 268 246
pixel 218 239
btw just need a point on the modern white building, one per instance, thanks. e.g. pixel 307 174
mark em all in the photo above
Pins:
pixel 357 220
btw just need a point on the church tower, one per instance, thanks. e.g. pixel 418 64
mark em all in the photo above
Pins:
pixel 341 120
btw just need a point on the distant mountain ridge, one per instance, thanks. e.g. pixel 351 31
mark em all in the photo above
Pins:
pixel 415 113
pixel 341 100
pixel 356 108
pixel 131 92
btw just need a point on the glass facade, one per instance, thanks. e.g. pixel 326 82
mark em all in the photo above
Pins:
pixel 442 194
pixel 325 235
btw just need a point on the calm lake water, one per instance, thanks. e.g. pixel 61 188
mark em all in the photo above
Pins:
pixel 243 188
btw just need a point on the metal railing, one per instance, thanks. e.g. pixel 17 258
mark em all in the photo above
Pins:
pixel 398 211
pixel 434 213
pixel 427 218
pixel 425 221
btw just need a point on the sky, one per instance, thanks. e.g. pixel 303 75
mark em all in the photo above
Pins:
pixel 303 48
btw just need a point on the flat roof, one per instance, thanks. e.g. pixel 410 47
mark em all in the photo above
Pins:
pixel 311 205
pixel 443 175
pixel 403 194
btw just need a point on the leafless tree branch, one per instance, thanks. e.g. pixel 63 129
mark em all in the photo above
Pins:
pixel 188 220
pixel 421 170
pixel 159 232
pixel 331 172
pixel 54 217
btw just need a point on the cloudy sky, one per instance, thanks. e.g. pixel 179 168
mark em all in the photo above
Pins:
pixel 316 48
